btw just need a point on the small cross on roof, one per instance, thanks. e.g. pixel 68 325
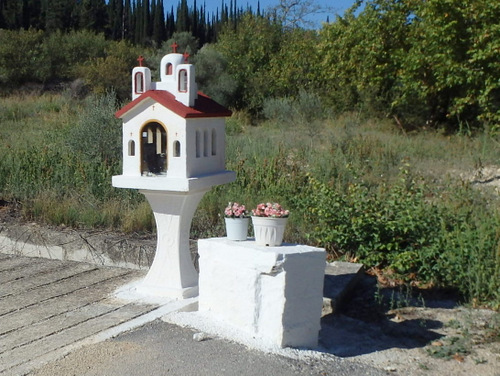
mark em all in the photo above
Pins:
pixel 186 56
pixel 140 59
pixel 174 47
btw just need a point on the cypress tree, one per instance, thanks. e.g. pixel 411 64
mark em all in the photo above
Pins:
pixel 224 13
pixel 148 25
pixel 93 15
pixel 119 14
pixel 26 19
pixel 101 15
pixel 114 21
pixel 12 14
pixel 57 14
pixel 127 22
pixel 3 24
pixel 170 25
pixel 159 31
pixel 201 32
pixel 194 17
pixel 182 17
pixel 139 22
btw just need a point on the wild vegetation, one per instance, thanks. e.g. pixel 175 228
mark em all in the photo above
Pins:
pixel 361 129
pixel 355 186
pixel 422 64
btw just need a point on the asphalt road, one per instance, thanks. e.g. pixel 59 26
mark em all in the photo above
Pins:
pixel 160 348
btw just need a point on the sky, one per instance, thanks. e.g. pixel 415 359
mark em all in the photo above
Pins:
pixel 332 7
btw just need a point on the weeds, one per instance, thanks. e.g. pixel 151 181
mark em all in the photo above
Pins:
pixel 471 331
pixel 450 347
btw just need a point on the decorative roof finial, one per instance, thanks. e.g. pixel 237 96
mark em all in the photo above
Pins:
pixel 174 47
pixel 140 59
pixel 186 56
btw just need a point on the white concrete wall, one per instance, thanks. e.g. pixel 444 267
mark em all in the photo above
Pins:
pixel 170 82
pixel 274 293
pixel 146 81
pixel 175 128
pixel 189 96
pixel 178 129
pixel 205 162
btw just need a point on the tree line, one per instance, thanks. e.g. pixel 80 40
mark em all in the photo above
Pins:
pixel 144 22
pixel 430 63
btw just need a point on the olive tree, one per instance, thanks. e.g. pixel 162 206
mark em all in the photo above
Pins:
pixel 422 62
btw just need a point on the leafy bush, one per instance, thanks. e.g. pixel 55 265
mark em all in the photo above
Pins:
pixel 278 109
pixel 382 227
pixel 424 62
pixel 246 50
pixel 186 42
pixel 21 57
pixel 34 56
pixel 212 76
pixel 401 228
pixel 237 123
pixel 111 71
pixel 64 52
pixel 97 133
pixel 300 111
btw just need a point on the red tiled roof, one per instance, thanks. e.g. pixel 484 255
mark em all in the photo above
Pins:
pixel 203 107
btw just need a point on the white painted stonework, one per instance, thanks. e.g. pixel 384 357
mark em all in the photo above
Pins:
pixel 170 82
pixel 173 139
pixel 274 293
pixel 176 77
pixel 172 273
pixel 173 152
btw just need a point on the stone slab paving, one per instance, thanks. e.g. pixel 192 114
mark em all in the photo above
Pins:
pixel 47 306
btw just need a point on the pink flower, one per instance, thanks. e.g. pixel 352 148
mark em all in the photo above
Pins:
pixel 272 210
pixel 235 210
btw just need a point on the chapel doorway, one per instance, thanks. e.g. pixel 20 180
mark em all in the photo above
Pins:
pixel 153 149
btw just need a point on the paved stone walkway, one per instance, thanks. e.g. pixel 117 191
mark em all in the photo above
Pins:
pixel 49 307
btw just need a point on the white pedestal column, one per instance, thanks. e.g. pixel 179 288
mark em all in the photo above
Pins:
pixel 172 273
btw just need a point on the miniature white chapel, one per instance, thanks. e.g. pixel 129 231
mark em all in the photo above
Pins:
pixel 173 152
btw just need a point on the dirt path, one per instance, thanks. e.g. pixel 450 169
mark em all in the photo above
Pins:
pixel 418 336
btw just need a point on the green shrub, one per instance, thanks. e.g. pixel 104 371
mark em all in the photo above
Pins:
pixel 237 123
pixel 279 109
pixel 34 56
pixel 466 252
pixel 302 110
pixel 212 76
pixel 97 133
pixel 111 71
pixel 64 52
pixel 21 57
pixel 137 218
pixel 401 228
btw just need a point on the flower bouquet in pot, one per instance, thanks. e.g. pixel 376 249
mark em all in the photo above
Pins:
pixel 269 222
pixel 237 219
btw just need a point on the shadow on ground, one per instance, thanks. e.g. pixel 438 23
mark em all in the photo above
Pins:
pixel 368 320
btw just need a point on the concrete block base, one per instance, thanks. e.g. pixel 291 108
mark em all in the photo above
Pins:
pixel 273 293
